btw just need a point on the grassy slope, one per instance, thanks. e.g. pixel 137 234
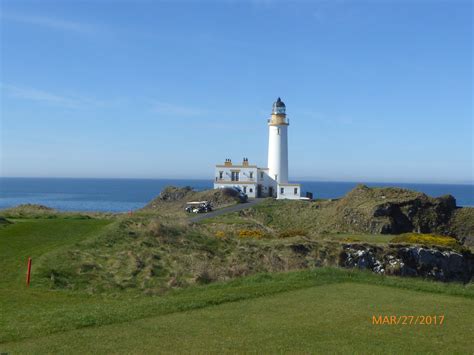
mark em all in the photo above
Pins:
pixel 462 222
pixel 352 214
pixel 32 238
pixel 263 217
pixel 36 312
pixel 331 318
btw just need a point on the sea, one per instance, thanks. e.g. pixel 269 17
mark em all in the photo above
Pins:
pixel 122 195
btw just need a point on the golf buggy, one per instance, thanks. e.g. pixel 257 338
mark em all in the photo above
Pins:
pixel 198 207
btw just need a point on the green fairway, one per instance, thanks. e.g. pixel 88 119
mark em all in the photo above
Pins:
pixel 330 318
pixel 34 237
pixel 325 309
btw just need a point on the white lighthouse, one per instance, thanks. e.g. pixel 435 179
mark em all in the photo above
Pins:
pixel 278 143
pixel 263 182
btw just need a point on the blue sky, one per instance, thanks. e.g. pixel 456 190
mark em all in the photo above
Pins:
pixel 375 90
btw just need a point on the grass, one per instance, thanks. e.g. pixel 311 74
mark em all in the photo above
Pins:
pixel 333 318
pixel 325 309
pixel 236 221
pixel 362 211
pixel 35 237
pixel 355 237
pixel 228 218
pixel 47 312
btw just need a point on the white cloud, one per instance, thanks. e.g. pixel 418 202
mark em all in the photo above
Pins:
pixel 54 23
pixel 49 98
pixel 37 95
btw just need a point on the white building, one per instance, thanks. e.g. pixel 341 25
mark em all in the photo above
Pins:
pixel 264 182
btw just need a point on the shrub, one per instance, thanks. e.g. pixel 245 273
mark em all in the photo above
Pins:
pixel 293 233
pixel 426 239
pixel 251 233
pixel 155 228
pixel 220 234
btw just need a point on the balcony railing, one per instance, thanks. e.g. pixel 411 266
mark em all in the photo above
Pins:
pixel 230 180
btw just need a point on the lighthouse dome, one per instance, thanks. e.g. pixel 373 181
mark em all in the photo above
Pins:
pixel 278 107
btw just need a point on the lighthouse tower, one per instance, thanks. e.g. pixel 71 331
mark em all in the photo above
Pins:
pixel 271 181
pixel 278 143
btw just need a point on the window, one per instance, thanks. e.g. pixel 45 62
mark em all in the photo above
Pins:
pixel 282 190
pixel 278 130
pixel 276 177
pixel 296 191
pixel 251 175
pixel 261 175
pixel 251 190
pixel 245 189
pixel 221 173
pixel 234 176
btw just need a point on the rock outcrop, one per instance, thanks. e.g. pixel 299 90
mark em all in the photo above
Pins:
pixel 394 211
pixel 431 263
pixel 174 199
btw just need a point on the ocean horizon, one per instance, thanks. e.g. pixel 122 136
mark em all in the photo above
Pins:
pixel 122 194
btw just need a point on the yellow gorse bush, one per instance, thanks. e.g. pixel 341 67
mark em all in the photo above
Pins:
pixel 250 233
pixel 350 240
pixel 426 239
pixel 220 234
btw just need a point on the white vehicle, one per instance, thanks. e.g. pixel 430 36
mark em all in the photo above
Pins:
pixel 198 207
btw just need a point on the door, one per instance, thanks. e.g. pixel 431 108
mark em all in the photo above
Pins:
pixel 259 190
pixel 270 191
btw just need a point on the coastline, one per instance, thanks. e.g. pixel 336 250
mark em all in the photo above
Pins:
pixel 122 195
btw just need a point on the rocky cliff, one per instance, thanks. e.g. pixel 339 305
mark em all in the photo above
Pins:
pixel 439 264
pixel 395 211
pixel 367 210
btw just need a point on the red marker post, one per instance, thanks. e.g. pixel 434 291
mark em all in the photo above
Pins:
pixel 28 273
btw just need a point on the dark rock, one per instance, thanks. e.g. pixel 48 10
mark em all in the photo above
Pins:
pixel 300 249
pixel 393 211
pixel 171 193
pixel 358 256
pixel 441 265
pixel 383 210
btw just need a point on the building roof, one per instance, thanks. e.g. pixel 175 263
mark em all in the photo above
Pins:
pixel 236 166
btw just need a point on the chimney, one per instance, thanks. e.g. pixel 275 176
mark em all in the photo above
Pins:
pixel 245 162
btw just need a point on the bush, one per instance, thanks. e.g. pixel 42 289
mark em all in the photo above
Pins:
pixel 426 239
pixel 251 233
pixel 293 233
pixel 220 234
